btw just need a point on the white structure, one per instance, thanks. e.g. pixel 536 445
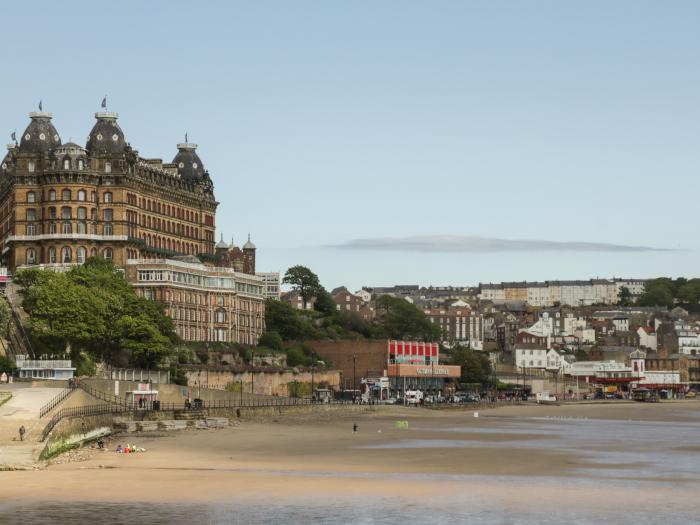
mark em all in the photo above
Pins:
pixel 621 323
pixel 271 284
pixel 661 378
pixel 531 358
pixel 492 292
pixel 585 335
pixel 688 339
pixel 364 295
pixel 647 337
pixel 557 362
pixel 45 368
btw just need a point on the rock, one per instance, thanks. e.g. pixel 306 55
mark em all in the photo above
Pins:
pixel 217 422
pixel 146 426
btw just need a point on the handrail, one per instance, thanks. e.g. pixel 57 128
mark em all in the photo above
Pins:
pixel 55 401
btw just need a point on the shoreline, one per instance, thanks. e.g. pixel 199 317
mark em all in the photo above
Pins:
pixel 520 448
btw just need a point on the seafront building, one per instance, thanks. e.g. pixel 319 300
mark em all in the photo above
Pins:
pixel 61 203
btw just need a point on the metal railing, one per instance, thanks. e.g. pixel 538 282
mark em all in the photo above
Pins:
pixel 55 401
pixel 84 411
pixel 99 394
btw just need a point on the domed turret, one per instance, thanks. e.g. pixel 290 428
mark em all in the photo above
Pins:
pixel 221 245
pixel 71 156
pixel 188 163
pixel 40 136
pixel 106 137
pixel 7 161
pixel 249 245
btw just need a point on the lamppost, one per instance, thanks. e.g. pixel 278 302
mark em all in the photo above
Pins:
pixel 312 383
pixel 252 377
pixel 354 379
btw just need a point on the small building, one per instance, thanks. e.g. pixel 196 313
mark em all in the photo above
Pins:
pixel 56 369
pixel 143 397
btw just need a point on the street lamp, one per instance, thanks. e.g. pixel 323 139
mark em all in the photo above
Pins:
pixel 312 383
pixel 354 379
pixel 252 377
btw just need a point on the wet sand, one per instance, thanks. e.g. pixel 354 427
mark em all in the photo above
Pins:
pixel 511 455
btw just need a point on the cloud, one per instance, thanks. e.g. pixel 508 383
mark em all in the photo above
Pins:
pixel 472 244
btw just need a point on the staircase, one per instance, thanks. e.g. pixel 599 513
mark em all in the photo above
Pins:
pixel 17 335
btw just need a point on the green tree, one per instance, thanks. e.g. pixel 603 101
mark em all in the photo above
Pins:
pixel 280 317
pixel 92 313
pixel 624 298
pixel 403 320
pixel 657 292
pixel 324 303
pixel 304 280
pixel 476 367
pixel 271 339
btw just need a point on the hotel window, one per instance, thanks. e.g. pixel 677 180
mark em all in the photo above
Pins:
pixel 108 167
pixel 65 212
pixel 31 196
pixel 81 253
pixel 81 165
pixel 52 195
pixel 81 195
pixel 66 164
pixel 52 255
pixel 30 166
pixel 107 253
pixel 220 316
pixel 31 256
pixel 66 228
pixel 65 195
pixel 52 227
pixel 107 197
pixel 66 255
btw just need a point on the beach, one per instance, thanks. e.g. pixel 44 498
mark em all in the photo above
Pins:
pixel 629 460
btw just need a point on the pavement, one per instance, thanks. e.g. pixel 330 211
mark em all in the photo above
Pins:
pixel 22 409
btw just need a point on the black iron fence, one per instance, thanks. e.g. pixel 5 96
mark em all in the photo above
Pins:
pixel 55 401
pixel 99 394
pixel 83 411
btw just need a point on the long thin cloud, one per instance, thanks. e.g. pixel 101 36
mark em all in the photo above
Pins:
pixel 470 244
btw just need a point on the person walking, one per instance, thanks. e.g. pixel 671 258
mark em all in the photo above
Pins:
pixel 22 431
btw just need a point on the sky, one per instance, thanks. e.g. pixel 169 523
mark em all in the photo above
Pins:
pixel 398 142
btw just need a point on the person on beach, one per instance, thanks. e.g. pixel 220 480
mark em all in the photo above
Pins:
pixel 354 427
pixel 22 431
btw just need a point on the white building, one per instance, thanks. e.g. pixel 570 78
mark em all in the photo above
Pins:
pixel 271 284
pixel 492 292
pixel 44 368
pixel 531 358
pixel 647 337
pixel 364 295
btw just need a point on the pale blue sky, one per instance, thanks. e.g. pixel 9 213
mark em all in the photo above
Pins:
pixel 326 122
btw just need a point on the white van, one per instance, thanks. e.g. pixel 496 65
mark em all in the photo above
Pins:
pixel 414 397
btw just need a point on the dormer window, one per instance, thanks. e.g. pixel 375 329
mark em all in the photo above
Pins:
pixel 81 165
pixel 66 164
pixel 108 167
pixel 30 166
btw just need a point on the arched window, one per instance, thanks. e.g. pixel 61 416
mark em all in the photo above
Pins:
pixel 66 255
pixel 81 253
pixel 107 253
pixel 65 212
pixel 66 164
pixel 81 195
pixel 52 255
pixel 52 195
pixel 107 197
pixel 65 195
pixel 81 165
pixel 31 256
pixel 31 196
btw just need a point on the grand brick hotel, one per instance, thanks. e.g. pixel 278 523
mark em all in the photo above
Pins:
pixel 61 203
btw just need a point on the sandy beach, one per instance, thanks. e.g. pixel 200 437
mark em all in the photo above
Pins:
pixel 514 456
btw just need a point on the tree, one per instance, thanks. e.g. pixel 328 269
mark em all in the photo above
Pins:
pixel 624 298
pixel 476 367
pixel 92 313
pixel 271 339
pixel 324 303
pixel 304 280
pixel 658 292
pixel 403 320
pixel 280 317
